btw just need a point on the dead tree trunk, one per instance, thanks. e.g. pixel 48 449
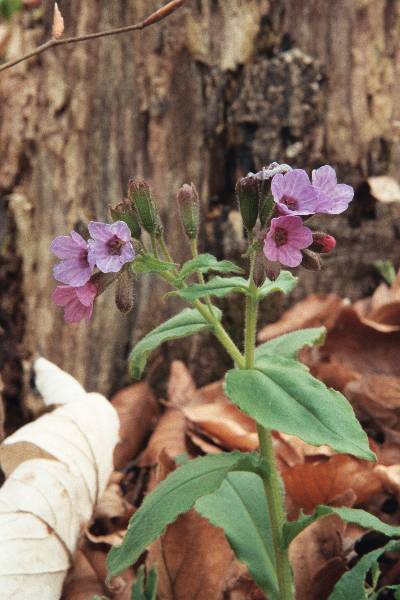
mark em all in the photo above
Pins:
pixel 220 88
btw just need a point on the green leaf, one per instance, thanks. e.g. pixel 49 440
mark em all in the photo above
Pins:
pixel 206 263
pixel 285 283
pixel 386 270
pixel 281 394
pixel 176 495
pixel 289 344
pixel 351 586
pixel 217 286
pixel 188 322
pixel 246 525
pixel 145 590
pixel 350 515
pixel 9 7
pixel 147 263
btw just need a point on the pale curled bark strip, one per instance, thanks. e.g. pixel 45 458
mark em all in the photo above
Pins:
pixel 155 17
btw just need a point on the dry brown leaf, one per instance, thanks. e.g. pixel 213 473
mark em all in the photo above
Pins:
pixel 169 437
pixel 291 450
pixel 225 424
pixel 329 482
pixel 82 582
pixel 138 410
pixel 317 558
pixel 57 28
pixel 181 387
pixel 314 311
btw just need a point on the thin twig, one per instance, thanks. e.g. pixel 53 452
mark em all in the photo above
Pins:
pixel 155 17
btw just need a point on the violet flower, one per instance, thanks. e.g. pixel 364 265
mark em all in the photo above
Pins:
pixel 294 194
pixel 75 267
pixel 333 197
pixel 77 301
pixel 111 246
pixel 285 239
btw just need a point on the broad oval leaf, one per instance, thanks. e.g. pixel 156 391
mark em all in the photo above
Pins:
pixel 187 322
pixel 281 394
pixel 217 286
pixel 351 586
pixel 290 344
pixel 350 515
pixel 176 495
pixel 206 263
pixel 285 282
pixel 246 525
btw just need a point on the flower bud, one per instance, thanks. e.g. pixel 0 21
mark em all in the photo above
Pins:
pixel 124 211
pixel 124 291
pixel 103 280
pixel 247 193
pixel 322 242
pixel 144 205
pixel 189 209
pixel 311 260
pixel 267 206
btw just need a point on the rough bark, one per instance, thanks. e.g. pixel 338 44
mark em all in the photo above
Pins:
pixel 221 87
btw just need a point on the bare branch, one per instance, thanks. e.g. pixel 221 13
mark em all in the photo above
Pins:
pixel 155 17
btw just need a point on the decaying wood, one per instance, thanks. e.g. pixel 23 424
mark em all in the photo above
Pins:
pixel 219 88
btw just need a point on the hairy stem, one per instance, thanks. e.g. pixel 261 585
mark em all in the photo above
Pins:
pixel 193 247
pixel 272 481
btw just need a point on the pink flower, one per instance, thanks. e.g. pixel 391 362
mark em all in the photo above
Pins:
pixel 284 240
pixel 77 301
pixel 294 194
pixel 75 267
pixel 111 246
pixel 333 197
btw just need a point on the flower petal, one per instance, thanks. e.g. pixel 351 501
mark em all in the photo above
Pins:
pixel 72 272
pixel 121 230
pixel 75 312
pixel 65 246
pixel 63 294
pixel 100 231
pixel 86 294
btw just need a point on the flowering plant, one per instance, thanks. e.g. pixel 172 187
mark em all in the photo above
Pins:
pixel 267 383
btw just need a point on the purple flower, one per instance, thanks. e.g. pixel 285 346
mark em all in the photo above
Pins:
pixel 333 197
pixel 77 301
pixel 284 240
pixel 75 267
pixel 111 246
pixel 294 194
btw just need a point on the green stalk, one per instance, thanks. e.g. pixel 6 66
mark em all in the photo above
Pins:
pixel 193 247
pixel 272 481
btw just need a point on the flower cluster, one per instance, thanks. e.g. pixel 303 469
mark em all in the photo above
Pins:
pixel 295 197
pixel 108 249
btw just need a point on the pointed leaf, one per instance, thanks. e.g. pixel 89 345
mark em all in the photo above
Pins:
pixel 217 286
pixel 176 495
pixel 285 283
pixel 206 263
pixel 281 394
pixel 150 264
pixel 145 589
pixel 351 586
pixel 350 515
pixel 246 525
pixel 188 322
pixel 290 344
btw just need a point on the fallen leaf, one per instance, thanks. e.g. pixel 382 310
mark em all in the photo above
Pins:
pixel 138 411
pixel 314 311
pixel 82 583
pixel 329 482
pixel 181 387
pixel 317 558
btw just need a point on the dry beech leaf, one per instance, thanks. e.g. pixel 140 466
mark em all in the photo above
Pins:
pixel 82 583
pixel 225 424
pixel 169 437
pixel 329 482
pixel 317 558
pixel 291 450
pixel 57 468
pixel 181 387
pixel 138 410
pixel 314 311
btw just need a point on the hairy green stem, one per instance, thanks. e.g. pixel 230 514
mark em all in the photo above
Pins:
pixel 272 481
pixel 193 247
